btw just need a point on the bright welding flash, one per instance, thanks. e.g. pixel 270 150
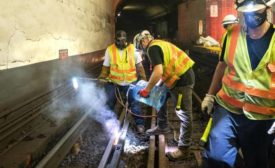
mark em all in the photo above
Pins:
pixel 75 83
pixel 117 137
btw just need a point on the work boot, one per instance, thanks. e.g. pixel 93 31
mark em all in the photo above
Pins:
pixel 156 131
pixel 179 154
pixel 140 129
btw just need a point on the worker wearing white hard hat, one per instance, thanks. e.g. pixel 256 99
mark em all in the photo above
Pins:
pixel 228 21
pixel 173 67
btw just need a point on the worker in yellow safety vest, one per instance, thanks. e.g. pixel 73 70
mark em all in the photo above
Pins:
pixel 228 22
pixel 122 66
pixel 174 68
pixel 243 86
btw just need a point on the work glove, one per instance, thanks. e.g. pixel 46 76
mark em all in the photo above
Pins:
pixel 102 81
pixel 144 93
pixel 272 131
pixel 208 103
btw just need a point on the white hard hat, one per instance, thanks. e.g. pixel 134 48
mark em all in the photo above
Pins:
pixel 142 35
pixel 136 41
pixel 229 19
pixel 252 5
pixel 145 33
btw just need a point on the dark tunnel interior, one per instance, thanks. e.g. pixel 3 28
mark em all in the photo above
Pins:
pixel 160 17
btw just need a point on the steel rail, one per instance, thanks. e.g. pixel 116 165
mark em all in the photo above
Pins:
pixel 152 145
pixel 59 151
pixel 24 120
pixel 109 149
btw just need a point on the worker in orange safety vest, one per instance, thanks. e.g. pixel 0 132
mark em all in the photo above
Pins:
pixel 243 86
pixel 122 66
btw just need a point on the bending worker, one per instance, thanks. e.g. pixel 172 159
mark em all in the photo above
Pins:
pixel 121 66
pixel 174 68
pixel 244 89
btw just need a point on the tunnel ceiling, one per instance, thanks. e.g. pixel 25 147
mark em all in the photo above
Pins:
pixel 146 9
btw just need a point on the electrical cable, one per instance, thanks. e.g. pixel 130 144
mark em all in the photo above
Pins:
pixel 119 99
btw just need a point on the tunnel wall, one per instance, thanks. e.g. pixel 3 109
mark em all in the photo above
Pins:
pixel 21 84
pixel 34 31
pixel 189 14
pixel 215 12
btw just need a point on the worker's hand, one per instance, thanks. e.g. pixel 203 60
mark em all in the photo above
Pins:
pixel 272 131
pixel 102 81
pixel 144 93
pixel 208 103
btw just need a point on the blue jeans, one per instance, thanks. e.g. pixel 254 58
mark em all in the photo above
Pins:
pixel 133 105
pixel 229 132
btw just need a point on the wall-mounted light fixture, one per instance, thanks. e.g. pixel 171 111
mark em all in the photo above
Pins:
pixel 118 14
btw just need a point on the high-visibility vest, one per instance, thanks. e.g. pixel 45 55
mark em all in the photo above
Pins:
pixel 243 89
pixel 222 42
pixel 122 68
pixel 176 62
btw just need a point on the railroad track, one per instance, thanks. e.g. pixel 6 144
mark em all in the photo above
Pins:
pixel 156 150
pixel 52 155
pixel 40 127
pixel 14 121
pixel 60 143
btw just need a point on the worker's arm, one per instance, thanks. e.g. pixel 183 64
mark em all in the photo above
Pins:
pixel 141 71
pixel 155 56
pixel 208 101
pixel 104 72
pixel 217 78
pixel 155 77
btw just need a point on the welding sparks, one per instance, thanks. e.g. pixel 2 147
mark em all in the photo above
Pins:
pixel 117 135
pixel 170 148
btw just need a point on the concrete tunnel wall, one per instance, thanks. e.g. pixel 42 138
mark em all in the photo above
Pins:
pixel 33 32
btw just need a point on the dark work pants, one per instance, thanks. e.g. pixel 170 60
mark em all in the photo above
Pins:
pixel 185 114
pixel 133 105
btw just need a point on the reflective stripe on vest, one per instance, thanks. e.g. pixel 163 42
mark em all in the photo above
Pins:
pixel 122 68
pixel 241 95
pixel 176 62
pixel 247 106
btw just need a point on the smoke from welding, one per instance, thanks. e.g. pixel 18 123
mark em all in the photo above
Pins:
pixel 86 96
pixel 94 99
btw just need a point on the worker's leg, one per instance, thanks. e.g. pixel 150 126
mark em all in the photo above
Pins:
pixel 162 116
pixel 162 123
pixel 221 149
pixel 185 115
pixel 255 143
pixel 134 105
pixel 110 90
